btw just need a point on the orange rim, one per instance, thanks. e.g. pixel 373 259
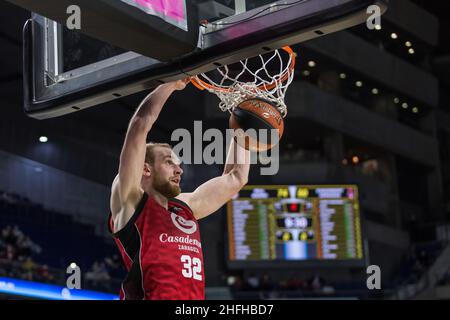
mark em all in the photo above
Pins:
pixel 202 85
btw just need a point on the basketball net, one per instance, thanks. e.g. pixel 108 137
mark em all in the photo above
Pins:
pixel 268 83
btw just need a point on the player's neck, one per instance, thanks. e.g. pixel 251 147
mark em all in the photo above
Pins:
pixel 159 198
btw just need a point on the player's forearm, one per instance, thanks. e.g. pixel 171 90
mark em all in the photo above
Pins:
pixel 240 174
pixel 238 162
pixel 151 106
pixel 231 158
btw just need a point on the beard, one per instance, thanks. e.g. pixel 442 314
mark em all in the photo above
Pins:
pixel 166 188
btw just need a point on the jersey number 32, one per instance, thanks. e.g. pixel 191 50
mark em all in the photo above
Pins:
pixel 192 267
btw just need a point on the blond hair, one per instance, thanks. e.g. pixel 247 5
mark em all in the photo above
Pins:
pixel 150 151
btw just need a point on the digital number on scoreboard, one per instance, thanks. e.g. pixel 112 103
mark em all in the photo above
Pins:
pixel 295 223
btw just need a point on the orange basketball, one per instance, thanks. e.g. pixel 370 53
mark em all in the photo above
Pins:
pixel 256 114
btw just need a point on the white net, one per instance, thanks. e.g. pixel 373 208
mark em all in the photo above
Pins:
pixel 266 76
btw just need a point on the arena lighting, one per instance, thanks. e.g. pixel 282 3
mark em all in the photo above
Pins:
pixel 408 44
pixel 375 91
pixel 43 139
pixel 359 84
pixel 311 64
pixel 415 110
pixel 343 76
pixel 405 105
pixel 411 51
pixel 355 159
pixel 49 292
pixel 306 73
pixel 378 27
pixel 394 36
pixel 396 100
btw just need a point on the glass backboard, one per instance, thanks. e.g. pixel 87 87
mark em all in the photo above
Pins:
pixel 67 70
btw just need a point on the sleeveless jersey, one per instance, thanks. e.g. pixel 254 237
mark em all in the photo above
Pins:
pixel 162 252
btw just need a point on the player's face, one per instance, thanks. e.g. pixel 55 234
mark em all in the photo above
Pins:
pixel 167 173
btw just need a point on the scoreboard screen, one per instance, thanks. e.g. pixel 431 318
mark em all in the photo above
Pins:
pixel 294 223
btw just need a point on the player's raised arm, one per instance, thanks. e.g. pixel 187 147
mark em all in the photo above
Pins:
pixel 126 188
pixel 213 194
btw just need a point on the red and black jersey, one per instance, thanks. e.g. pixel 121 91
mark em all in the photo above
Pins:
pixel 162 252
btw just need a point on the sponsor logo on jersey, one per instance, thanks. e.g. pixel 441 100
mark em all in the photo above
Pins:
pixel 187 226
pixel 165 238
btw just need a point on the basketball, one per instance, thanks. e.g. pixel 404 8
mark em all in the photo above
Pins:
pixel 256 114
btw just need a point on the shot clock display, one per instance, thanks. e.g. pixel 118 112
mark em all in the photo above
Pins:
pixel 295 222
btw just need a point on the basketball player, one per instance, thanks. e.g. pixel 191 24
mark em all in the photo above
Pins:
pixel 155 225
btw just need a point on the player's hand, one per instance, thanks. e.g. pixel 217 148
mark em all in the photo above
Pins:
pixel 181 84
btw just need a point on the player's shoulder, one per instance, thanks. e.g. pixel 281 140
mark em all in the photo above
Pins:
pixel 183 199
pixel 120 205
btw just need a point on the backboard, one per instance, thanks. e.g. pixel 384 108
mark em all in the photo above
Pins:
pixel 127 46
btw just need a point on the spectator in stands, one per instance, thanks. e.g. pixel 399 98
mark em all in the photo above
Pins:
pixel 235 282
pixel 8 198
pixel 26 247
pixel 316 283
pixel 10 253
pixel 114 266
pixel 266 283
pixel 4 233
pixel 269 289
pixel 43 274
pixel 21 254
pixel 98 275
pixel 28 267
pixel 253 282
pixel 16 252
pixel 17 234
pixel 320 286
pixel 2 242
pixel 295 284
pixel 8 236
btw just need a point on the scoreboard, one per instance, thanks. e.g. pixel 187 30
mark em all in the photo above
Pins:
pixel 294 223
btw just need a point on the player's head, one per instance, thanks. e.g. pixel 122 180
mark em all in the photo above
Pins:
pixel 162 169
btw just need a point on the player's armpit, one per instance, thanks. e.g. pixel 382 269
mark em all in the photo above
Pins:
pixel 213 194
pixel 123 210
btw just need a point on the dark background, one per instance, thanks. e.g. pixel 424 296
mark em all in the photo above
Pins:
pixel 403 153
